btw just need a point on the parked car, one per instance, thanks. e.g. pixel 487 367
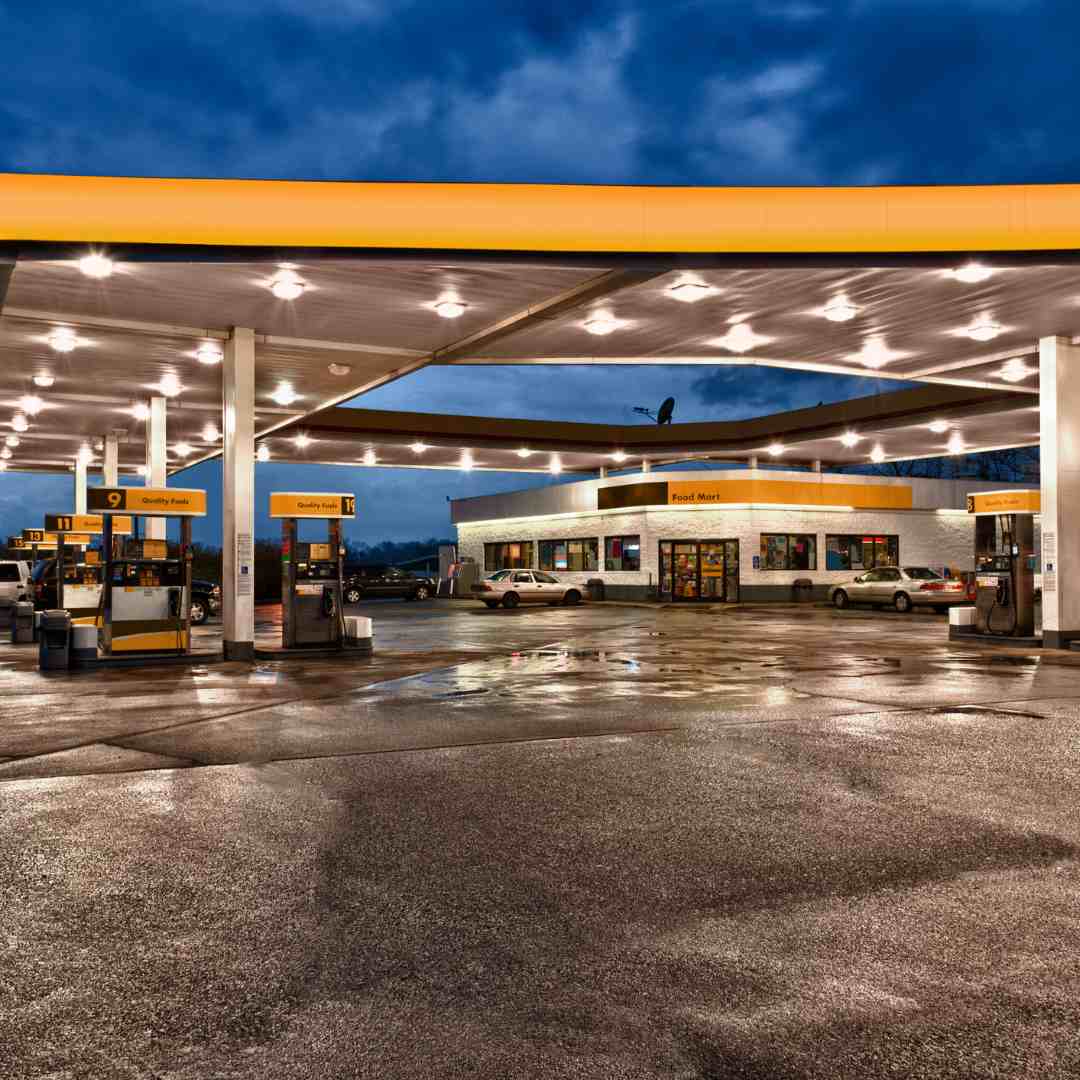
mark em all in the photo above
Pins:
pixel 205 595
pixel 381 580
pixel 14 582
pixel 513 587
pixel 901 588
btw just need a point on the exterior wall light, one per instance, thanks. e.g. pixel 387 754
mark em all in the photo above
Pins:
pixel 96 265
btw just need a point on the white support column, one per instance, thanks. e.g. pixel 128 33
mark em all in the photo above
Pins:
pixel 603 472
pixel 238 495
pixel 646 465
pixel 156 461
pixel 111 467
pixel 80 484
pixel 753 461
pixel 1059 433
pixel 816 466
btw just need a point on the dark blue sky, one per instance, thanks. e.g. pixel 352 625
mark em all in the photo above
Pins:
pixel 727 92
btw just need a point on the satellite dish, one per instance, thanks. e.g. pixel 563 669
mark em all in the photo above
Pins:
pixel 663 414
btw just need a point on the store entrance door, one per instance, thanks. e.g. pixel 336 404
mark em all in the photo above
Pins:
pixel 700 570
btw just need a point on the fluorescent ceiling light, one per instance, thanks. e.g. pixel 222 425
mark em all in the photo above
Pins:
pixel 170 385
pixel 450 309
pixel 955 444
pixel 263 453
pixel 875 353
pixel 939 427
pixel 877 455
pixel 286 284
pixel 1016 370
pixel 982 329
pixel 775 449
pixel 302 440
pixel 19 422
pixel 689 291
pixel 208 354
pixel 369 457
pixel 96 266
pixel 284 394
pixel 741 338
pixel 44 381
pixel 602 323
pixel 63 339
pixel 31 404
pixel 839 309
pixel 970 273
pixel 418 447
pixel 850 438
pixel 182 449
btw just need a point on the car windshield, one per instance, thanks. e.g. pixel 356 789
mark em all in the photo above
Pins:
pixel 921 573
pixel 500 575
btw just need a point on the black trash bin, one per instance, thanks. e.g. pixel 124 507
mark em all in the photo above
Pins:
pixel 803 590
pixel 595 586
pixel 55 642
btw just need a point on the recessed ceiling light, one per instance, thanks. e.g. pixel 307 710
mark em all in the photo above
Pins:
pixel 939 427
pixel 339 369
pixel 142 470
pixel 369 457
pixel 5 454
pixel 466 460
pixel 182 449
pixel 263 453
pixel 619 455
pixel 970 273
pixel 140 410
pixel 850 438
pixel 286 284
pixel 775 449
pixel 96 265
pixel 450 309
pixel 418 447
pixel 689 291
pixel 839 309
pixel 284 394
pixel 208 353
pixel 877 455
pixel 302 440
pixel 1016 370
pixel 875 353
pixel 555 465
pixel 170 385
pixel 982 329
pixel 19 422
pixel 955 444
pixel 210 433
pixel 524 452
pixel 31 404
pixel 63 339
pixel 741 338
pixel 602 323
pixel 99 445
pixel 44 381
pixel 12 441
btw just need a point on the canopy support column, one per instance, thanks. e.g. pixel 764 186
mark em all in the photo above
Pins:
pixel 111 469
pixel 238 495
pixel 1059 433
pixel 156 462
pixel 80 483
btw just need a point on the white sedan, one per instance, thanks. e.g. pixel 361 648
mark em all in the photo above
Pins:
pixel 513 587
pixel 901 588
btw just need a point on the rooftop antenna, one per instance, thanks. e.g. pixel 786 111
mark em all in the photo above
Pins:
pixel 663 414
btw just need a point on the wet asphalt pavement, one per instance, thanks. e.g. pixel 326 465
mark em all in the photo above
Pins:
pixel 598 842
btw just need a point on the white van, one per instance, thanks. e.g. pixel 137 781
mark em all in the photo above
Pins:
pixel 14 583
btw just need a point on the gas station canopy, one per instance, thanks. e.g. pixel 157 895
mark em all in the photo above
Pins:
pixel 349 286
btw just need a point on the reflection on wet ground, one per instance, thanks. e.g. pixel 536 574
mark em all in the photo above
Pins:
pixel 604 841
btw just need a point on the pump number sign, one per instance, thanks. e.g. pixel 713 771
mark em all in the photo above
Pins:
pixel 49 539
pixel 296 504
pixel 150 502
pixel 85 523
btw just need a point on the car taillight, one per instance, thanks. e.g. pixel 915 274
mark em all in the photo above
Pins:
pixel 933 586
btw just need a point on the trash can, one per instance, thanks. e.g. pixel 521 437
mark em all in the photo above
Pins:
pixel 54 646
pixel 23 623
pixel 358 634
pixel 83 645
pixel 595 587
pixel 803 590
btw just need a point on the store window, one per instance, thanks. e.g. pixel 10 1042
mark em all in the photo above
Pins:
pixel 512 555
pixel 569 554
pixel 861 552
pixel 788 551
pixel 622 553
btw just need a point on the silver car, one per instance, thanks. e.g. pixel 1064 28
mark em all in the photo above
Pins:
pixel 901 588
pixel 513 587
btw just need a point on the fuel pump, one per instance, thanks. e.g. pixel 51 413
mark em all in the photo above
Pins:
pixel 80 570
pixel 312 573
pixel 1004 562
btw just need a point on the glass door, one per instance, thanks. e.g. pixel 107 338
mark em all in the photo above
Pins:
pixel 700 570
pixel 731 571
pixel 712 570
pixel 666 570
pixel 686 571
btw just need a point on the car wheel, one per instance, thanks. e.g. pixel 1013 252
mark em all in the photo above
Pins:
pixel 840 599
pixel 352 596
pixel 572 597
pixel 492 604
pixel 198 613
pixel 421 593
pixel 510 600
pixel 902 602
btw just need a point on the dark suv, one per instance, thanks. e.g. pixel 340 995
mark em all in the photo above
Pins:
pixel 379 579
